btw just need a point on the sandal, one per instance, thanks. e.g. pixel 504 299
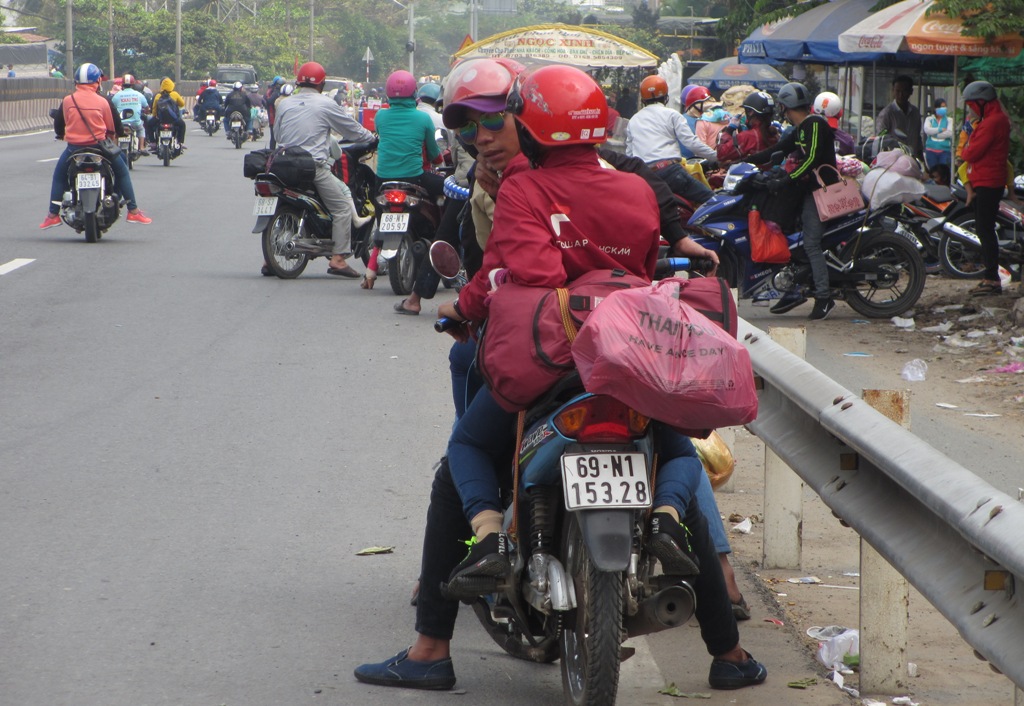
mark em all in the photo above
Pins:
pixel 367 282
pixel 740 610
pixel 987 288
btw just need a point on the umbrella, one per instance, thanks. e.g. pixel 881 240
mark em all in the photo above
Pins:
pixel 910 26
pixel 724 73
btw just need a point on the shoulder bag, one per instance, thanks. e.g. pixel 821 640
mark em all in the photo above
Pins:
pixel 110 149
pixel 839 199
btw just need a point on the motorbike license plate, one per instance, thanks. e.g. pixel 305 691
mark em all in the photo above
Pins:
pixel 393 223
pixel 166 133
pixel 125 142
pixel 603 480
pixel 211 118
pixel 265 206
pixel 88 180
pixel 236 123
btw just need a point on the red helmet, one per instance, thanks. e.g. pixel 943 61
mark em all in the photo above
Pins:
pixel 400 84
pixel 480 84
pixel 560 105
pixel 653 87
pixel 311 74
pixel 697 94
pixel 128 81
pixel 213 83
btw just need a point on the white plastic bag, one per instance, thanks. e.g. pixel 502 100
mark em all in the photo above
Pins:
pixel 882 187
pixel 915 370
pixel 832 650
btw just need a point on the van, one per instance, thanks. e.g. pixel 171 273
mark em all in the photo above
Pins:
pixel 228 74
pixel 333 84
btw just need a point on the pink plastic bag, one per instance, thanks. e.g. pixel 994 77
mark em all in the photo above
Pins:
pixel 647 348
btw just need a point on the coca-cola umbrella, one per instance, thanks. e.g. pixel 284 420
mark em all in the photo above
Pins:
pixel 915 26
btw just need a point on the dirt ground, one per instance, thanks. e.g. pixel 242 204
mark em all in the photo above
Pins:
pixel 947 670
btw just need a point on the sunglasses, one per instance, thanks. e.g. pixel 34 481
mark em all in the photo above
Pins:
pixel 492 122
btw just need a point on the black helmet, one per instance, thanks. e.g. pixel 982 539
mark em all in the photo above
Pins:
pixel 979 91
pixel 795 95
pixel 759 102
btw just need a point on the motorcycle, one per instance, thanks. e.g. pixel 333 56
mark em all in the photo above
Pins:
pixel 406 224
pixel 236 129
pixel 878 272
pixel 210 121
pixel 167 146
pixel 294 223
pixel 92 204
pixel 129 143
pixel 960 247
pixel 582 580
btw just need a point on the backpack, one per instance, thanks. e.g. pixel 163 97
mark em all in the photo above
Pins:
pixel 167 108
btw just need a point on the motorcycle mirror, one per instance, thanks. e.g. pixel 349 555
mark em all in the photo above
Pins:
pixel 445 260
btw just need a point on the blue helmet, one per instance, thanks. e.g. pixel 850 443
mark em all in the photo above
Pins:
pixel 88 73
pixel 429 92
pixel 277 80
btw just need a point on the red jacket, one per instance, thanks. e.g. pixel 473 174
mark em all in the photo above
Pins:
pixel 988 148
pixel 735 146
pixel 566 218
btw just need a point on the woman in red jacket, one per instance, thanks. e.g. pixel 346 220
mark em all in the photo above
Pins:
pixel 986 153
pixel 735 145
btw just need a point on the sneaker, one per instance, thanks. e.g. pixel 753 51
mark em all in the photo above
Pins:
pixel 789 301
pixel 485 565
pixel 822 308
pixel 139 217
pixel 733 675
pixel 404 672
pixel 52 220
pixel 669 543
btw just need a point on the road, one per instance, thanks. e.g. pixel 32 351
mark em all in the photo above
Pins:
pixel 191 455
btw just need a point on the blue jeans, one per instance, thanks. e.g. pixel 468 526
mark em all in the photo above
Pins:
pixel 680 181
pixel 227 120
pixel 484 436
pixel 709 508
pixel 466 382
pixel 60 180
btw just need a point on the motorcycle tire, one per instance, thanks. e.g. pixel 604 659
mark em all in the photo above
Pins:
pixel 362 241
pixel 167 157
pixel 402 268
pixel 591 637
pixel 283 228
pixel 130 158
pixel 959 260
pixel 510 638
pixel 901 271
pixel 92 228
pixel 238 138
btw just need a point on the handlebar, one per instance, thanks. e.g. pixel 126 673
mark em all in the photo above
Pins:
pixel 666 267
pixel 446 324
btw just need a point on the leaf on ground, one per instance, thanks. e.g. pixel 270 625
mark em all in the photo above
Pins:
pixel 369 551
pixel 802 683
pixel 673 690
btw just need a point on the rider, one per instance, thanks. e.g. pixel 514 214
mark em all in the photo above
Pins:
pixel 128 98
pixel 306 120
pixel 85 118
pixel 692 99
pixel 830 106
pixel 812 144
pixel 734 144
pixel 167 107
pixel 210 99
pixel 237 101
pixel 428 96
pixel 427 663
pixel 269 99
pixel 657 134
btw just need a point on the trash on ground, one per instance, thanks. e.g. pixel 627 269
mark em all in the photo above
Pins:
pixel 736 517
pixel 837 678
pixel 956 342
pixel 946 405
pixel 369 551
pixel 1017 340
pixel 911 669
pixel 944 327
pixel 833 650
pixel 983 415
pixel 851 573
pixel 802 683
pixel 973 378
pixel 1014 367
pixel 904 701
pixel 868 701
pixel 673 690
pixel 914 370
pixel 775 621
pixel 744 527
pixel 858 354
pixel 816 632
pixel 859 321
pixel 969 317
pixel 900 322
pixel 805 579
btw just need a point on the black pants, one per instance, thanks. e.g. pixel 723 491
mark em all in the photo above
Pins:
pixel 444 547
pixel 448 231
pixel 986 208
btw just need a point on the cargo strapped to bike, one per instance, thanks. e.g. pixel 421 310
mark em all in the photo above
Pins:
pixel 294 166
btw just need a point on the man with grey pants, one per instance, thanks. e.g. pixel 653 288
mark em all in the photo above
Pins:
pixel 306 120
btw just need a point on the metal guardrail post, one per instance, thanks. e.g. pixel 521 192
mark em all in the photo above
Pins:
pixel 884 593
pixel 782 546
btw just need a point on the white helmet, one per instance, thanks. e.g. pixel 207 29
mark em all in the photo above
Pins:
pixel 828 104
pixel 237 85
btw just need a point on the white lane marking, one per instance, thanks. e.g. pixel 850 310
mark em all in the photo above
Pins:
pixel 14 264
pixel 639 676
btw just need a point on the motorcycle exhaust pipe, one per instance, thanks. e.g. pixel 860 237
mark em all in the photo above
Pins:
pixel 668 608
pixel 962 235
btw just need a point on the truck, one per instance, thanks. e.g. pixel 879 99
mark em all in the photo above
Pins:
pixel 228 74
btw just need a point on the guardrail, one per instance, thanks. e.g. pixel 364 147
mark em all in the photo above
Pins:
pixel 954 537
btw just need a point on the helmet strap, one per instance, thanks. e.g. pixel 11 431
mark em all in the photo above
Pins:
pixel 530 148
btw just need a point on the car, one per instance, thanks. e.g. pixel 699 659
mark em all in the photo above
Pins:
pixel 333 84
pixel 228 74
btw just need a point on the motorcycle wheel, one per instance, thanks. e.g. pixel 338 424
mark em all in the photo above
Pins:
pixel 238 139
pixel 92 228
pixel 901 272
pixel 282 229
pixel 728 267
pixel 362 241
pixel 402 268
pixel 958 260
pixel 591 639
pixel 510 638
pixel 167 156
pixel 131 160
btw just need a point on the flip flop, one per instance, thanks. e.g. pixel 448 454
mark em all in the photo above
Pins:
pixel 400 309
pixel 345 271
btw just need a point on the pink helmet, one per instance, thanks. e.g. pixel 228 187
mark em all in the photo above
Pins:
pixel 400 84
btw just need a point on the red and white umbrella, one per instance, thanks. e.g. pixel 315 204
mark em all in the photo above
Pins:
pixel 911 26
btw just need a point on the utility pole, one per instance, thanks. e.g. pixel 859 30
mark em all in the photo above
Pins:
pixel 110 36
pixel 311 30
pixel 692 31
pixel 69 49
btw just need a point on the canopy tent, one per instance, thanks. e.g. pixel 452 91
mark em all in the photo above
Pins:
pixel 561 44
pixel 725 73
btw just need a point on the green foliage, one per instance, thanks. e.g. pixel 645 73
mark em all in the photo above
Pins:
pixel 986 18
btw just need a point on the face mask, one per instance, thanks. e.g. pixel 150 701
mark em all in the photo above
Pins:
pixel 941 112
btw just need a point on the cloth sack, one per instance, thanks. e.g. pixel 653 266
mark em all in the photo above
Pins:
pixel 650 349
pixel 767 241
pixel 839 199
pixel 900 162
pixel 883 187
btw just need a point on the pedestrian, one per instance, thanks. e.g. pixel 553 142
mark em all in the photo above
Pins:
pixel 938 130
pixel 901 118
pixel 986 153
pixel 10 71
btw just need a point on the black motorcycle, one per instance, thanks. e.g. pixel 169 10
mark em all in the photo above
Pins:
pixel 167 146
pixel 129 143
pixel 91 203
pixel 406 226
pixel 210 120
pixel 236 129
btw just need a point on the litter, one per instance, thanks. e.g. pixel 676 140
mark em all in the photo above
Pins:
pixel 1017 340
pixel 832 650
pixel 911 669
pixel 902 323
pixel 802 683
pixel 841 683
pixel 914 371
pixel 969 317
pixel 775 621
pixel 370 551
pixel 859 321
pixel 744 527
pixel 851 573
pixel 946 405
pixel 904 701
pixel 983 415
pixel 673 690
pixel 819 633
pixel 957 342
pixel 944 327
pixel 1014 367
pixel 857 354
pixel 974 378
pixel 805 579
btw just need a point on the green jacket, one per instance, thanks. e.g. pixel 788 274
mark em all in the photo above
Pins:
pixel 404 133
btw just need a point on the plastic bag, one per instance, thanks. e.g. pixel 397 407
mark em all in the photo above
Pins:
pixel 716 457
pixel 915 370
pixel 650 350
pixel 882 187
pixel 767 241
pixel 832 650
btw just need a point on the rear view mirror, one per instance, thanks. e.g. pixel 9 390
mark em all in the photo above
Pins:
pixel 445 260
